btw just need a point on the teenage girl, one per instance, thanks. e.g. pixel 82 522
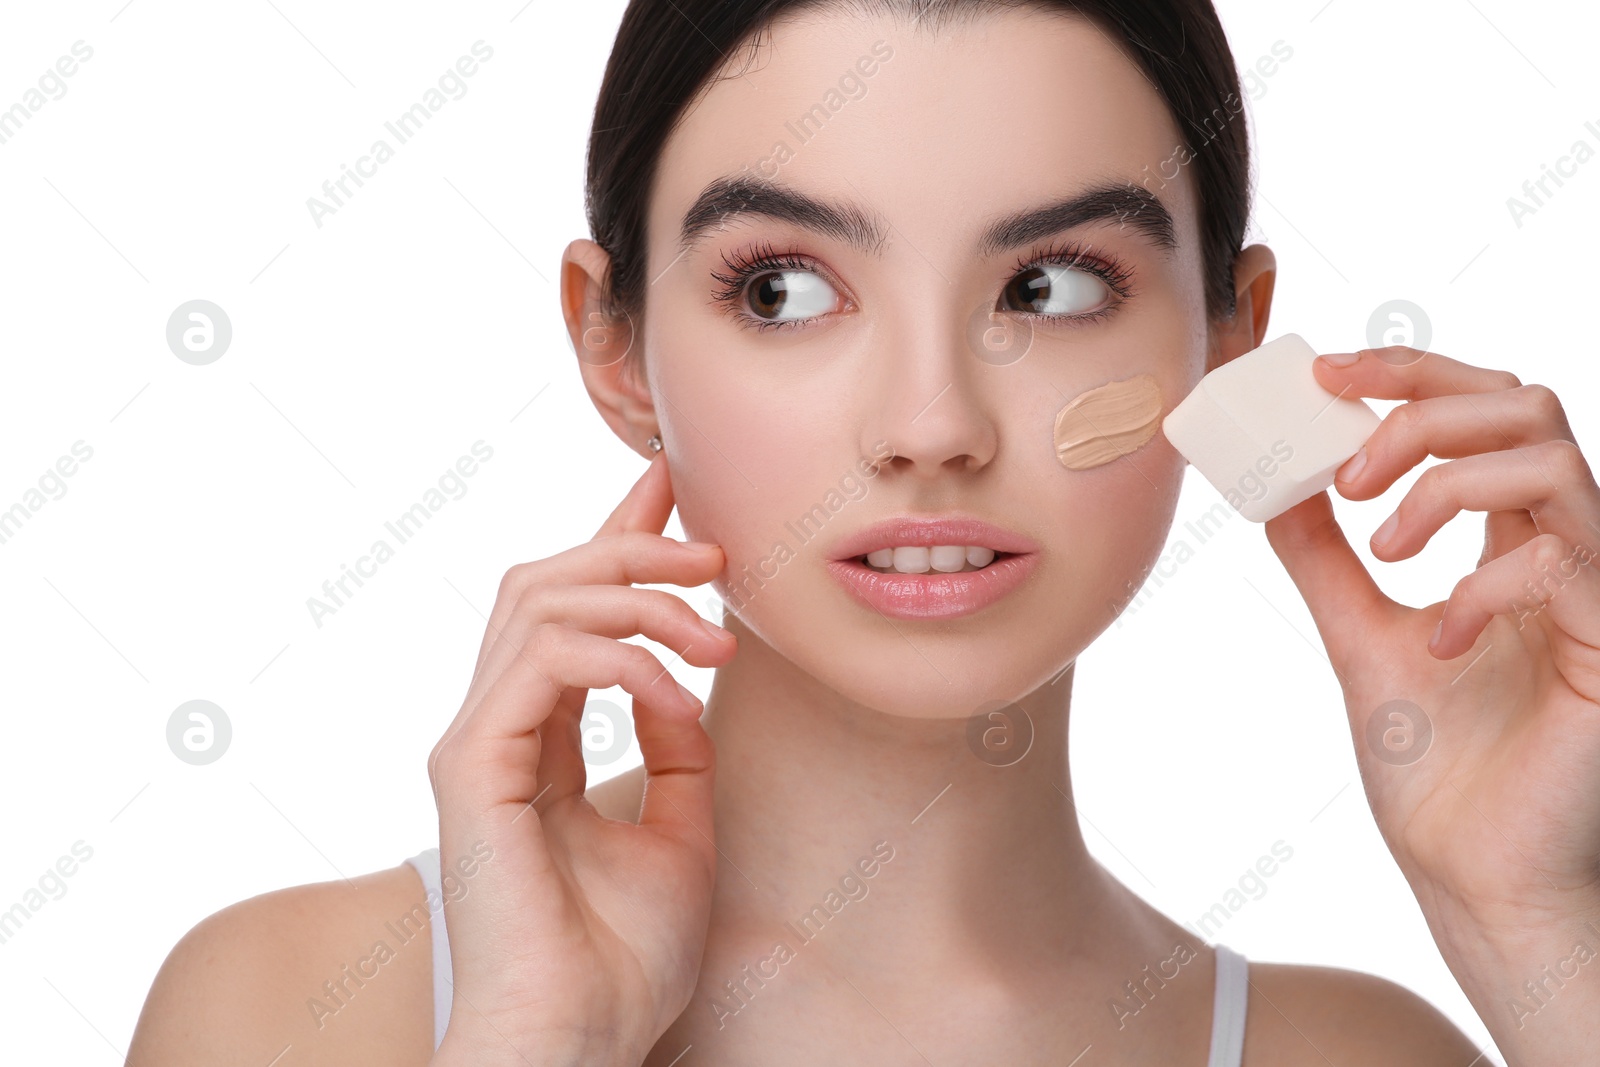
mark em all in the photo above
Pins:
pixel 808 218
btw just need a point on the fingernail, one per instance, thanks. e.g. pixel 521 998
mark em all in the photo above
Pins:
pixel 1339 359
pixel 1433 642
pixel 717 632
pixel 688 696
pixel 1386 531
pixel 1352 466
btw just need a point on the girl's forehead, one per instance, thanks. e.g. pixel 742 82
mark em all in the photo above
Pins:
pixel 1009 110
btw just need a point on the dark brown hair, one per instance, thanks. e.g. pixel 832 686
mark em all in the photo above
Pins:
pixel 668 52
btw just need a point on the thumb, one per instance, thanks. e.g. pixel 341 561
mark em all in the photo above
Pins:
pixel 647 505
pixel 1343 598
pixel 680 771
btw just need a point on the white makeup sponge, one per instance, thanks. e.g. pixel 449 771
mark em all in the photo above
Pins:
pixel 1264 433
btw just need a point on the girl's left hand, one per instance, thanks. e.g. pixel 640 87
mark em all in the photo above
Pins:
pixel 1480 753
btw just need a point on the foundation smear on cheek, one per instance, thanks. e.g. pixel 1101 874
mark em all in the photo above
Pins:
pixel 1110 421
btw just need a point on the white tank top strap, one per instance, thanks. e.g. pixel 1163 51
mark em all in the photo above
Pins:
pixel 1227 1008
pixel 426 863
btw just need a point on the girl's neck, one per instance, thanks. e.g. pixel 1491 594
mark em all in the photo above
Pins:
pixel 977 864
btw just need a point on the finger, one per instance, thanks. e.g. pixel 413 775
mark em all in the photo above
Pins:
pixel 1551 481
pixel 648 504
pixel 489 760
pixel 562 771
pixel 622 611
pixel 1450 427
pixel 1505 531
pixel 1332 580
pixel 610 611
pixel 567 771
pixel 645 508
pixel 1547 577
pixel 1400 373
pixel 630 557
pixel 680 772
pixel 624 559
pixel 607 611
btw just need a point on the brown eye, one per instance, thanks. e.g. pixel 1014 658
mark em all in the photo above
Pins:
pixel 789 294
pixel 1055 289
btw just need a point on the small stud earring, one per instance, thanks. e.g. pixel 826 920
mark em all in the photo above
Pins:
pixel 654 444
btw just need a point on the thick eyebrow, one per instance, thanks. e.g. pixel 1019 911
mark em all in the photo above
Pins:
pixel 727 197
pixel 1130 205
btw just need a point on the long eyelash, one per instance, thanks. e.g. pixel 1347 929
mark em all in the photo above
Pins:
pixel 1108 268
pixel 745 265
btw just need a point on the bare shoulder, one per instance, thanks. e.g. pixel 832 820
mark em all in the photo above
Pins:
pixel 328 973
pixel 1320 1015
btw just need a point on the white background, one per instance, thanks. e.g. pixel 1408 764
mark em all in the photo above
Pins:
pixel 370 353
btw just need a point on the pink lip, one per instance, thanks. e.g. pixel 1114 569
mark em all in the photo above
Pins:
pixel 934 595
pixel 910 530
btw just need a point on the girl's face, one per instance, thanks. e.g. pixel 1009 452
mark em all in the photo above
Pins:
pixel 890 324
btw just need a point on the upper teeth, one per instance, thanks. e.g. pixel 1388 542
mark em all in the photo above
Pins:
pixel 918 559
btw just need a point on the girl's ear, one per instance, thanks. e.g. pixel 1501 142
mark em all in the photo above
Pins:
pixel 1255 270
pixel 604 347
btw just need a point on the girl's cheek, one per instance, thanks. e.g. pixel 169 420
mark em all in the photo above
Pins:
pixel 720 491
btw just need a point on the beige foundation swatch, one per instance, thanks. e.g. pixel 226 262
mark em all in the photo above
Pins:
pixel 1110 421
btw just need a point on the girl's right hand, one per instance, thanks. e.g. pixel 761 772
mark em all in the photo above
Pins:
pixel 579 939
